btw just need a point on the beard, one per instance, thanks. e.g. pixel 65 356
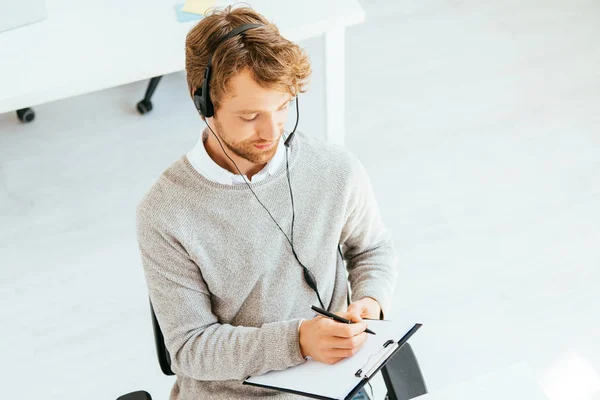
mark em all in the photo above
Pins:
pixel 246 149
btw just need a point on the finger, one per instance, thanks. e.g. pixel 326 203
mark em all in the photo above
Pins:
pixel 353 315
pixel 333 360
pixel 347 330
pixel 348 343
pixel 342 353
pixel 354 307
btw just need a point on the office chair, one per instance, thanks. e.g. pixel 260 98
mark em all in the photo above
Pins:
pixel 402 374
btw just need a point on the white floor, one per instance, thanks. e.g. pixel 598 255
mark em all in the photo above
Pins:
pixel 479 123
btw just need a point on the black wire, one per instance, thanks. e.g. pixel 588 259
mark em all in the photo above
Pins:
pixel 287 167
pixel 308 276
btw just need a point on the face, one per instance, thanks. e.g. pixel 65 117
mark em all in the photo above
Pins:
pixel 251 121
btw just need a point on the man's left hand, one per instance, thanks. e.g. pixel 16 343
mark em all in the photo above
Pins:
pixel 367 307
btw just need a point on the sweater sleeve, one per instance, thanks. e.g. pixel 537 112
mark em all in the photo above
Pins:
pixel 367 245
pixel 200 346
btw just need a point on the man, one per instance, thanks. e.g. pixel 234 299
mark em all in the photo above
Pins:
pixel 232 234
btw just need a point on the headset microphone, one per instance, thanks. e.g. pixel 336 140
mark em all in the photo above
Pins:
pixel 288 141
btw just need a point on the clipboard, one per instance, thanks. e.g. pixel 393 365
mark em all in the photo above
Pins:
pixel 364 372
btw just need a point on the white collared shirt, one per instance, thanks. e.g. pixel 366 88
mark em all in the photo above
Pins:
pixel 208 168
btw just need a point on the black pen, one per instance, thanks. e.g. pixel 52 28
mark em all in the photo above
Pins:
pixel 336 317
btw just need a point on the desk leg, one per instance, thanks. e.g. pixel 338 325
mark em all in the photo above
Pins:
pixel 335 94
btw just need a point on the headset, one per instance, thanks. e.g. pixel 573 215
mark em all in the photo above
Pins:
pixel 205 107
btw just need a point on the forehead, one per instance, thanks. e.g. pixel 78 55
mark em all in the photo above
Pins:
pixel 247 94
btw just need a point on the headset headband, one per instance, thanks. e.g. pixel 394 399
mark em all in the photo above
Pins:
pixel 236 31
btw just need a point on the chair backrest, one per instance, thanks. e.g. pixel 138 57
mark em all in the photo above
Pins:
pixel 164 358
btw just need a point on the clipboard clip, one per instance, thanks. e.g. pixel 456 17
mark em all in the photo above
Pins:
pixel 386 353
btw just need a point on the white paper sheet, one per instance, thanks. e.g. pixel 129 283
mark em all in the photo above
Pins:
pixel 337 380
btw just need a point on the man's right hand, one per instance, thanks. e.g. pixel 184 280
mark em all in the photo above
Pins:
pixel 328 341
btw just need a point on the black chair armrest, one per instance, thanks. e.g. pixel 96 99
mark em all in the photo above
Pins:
pixel 164 358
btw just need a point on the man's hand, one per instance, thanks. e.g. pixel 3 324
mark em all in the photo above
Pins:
pixel 367 307
pixel 328 341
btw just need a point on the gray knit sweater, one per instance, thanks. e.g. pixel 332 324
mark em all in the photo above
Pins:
pixel 226 289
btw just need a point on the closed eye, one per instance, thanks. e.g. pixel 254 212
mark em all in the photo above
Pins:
pixel 282 108
pixel 248 119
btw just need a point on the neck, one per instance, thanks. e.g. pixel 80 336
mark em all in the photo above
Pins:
pixel 215 152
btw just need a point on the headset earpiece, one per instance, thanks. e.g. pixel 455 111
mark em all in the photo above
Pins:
pixel 202 99
pixel 198 99
pixel 202 95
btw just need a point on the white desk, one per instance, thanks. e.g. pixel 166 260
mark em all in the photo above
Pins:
pixel 513 383
pixel 88 46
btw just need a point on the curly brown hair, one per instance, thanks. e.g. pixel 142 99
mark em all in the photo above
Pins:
pixel 274 61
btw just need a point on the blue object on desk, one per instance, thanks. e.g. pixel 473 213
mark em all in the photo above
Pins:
pixel 183 16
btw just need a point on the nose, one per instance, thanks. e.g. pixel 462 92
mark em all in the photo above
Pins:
pixel 271 129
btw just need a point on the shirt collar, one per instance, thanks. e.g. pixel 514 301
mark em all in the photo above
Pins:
pixel 208 168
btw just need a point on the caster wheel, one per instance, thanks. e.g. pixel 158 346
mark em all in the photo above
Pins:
pixel 25 115
pixel 144 106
